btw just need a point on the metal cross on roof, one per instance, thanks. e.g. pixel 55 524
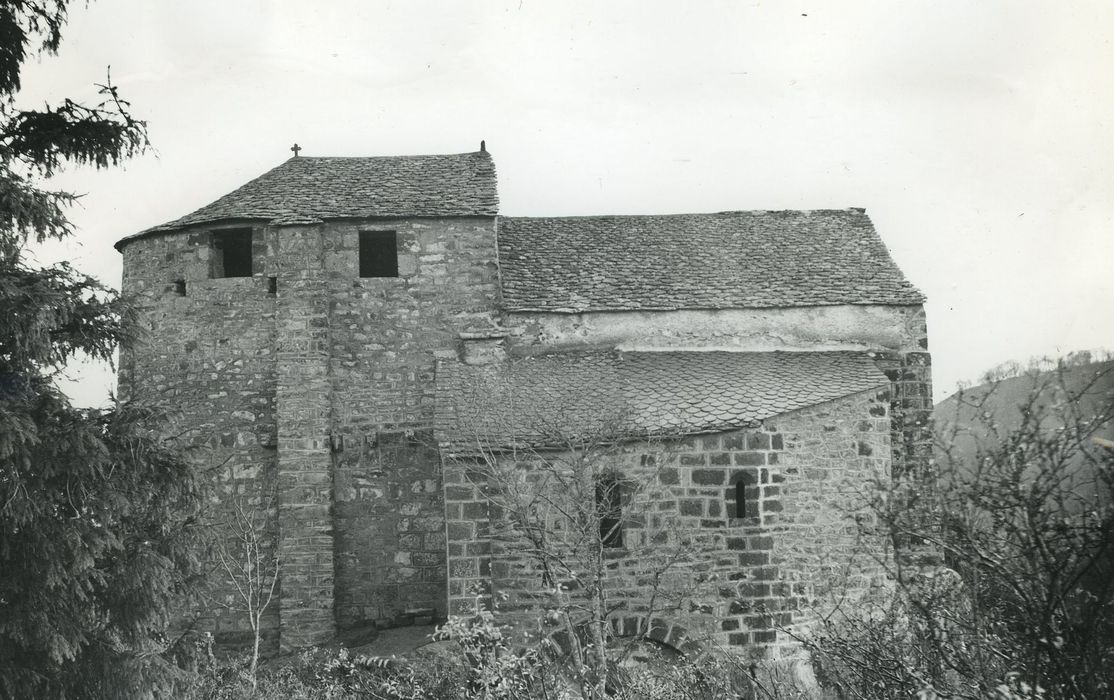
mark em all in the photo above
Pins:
pixel 295 148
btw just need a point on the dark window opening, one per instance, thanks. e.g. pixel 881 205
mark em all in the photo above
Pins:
pixel 272 285
pixel 609 507
pixel 180 287
pixel 742 495
pixel 378 254
pixel 232 253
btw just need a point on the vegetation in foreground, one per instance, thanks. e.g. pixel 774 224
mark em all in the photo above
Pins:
pixel 478 663
pixel 1021 507
pixel 97 513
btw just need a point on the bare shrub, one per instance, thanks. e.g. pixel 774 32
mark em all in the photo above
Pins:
pixel 1021 511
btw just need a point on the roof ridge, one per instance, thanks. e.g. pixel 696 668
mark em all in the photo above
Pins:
pixel 844 210
pixel 486 154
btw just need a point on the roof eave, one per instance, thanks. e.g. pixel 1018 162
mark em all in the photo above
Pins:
pixel 173 228
pixel 286 221
pixel 571 311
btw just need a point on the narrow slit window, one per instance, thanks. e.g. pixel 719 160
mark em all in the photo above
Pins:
pixel 231 253
pixel 609 506
pixel 740 499
pixel 378 254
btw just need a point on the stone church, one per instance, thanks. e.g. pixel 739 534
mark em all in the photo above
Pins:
pixel 333 334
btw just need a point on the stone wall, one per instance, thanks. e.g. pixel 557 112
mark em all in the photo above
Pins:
pixel 208 357
pixel 310 390
pixel 687 558
pixel 809 328
pixel 911 375
pixel 385 336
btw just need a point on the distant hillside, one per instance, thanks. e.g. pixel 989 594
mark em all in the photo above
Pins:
pixel 980 417
pixel 1092 384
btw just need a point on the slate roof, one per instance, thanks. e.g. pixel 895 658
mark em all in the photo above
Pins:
pixel 540 399
pixel 739 259
pixel 310 189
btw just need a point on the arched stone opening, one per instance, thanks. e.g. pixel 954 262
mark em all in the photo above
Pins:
pixel 655 645
pixel 665 632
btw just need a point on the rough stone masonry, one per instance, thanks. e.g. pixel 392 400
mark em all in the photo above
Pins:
pixel 316 332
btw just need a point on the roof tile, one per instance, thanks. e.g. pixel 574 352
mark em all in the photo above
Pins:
pixel 741 259
pixel 546 399
pixel 309 189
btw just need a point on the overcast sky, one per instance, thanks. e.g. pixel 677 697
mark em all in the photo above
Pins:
pixel 977 135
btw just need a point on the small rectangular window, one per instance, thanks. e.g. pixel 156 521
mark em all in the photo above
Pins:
pixel 231 253
pixel 378 254
pixel 609 508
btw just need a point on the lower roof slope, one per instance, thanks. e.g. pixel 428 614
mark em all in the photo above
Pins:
pixel 546 399
pixel 740 259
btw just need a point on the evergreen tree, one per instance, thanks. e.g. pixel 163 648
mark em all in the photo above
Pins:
pixel 96 511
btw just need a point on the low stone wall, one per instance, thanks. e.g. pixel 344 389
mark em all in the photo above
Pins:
pixel 737 582
pixel 390 539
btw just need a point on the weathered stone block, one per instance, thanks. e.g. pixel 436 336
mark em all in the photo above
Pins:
pixel 719 459
pixel 708 477
pixel 691 507
pixel 750 459
pixel 754 559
